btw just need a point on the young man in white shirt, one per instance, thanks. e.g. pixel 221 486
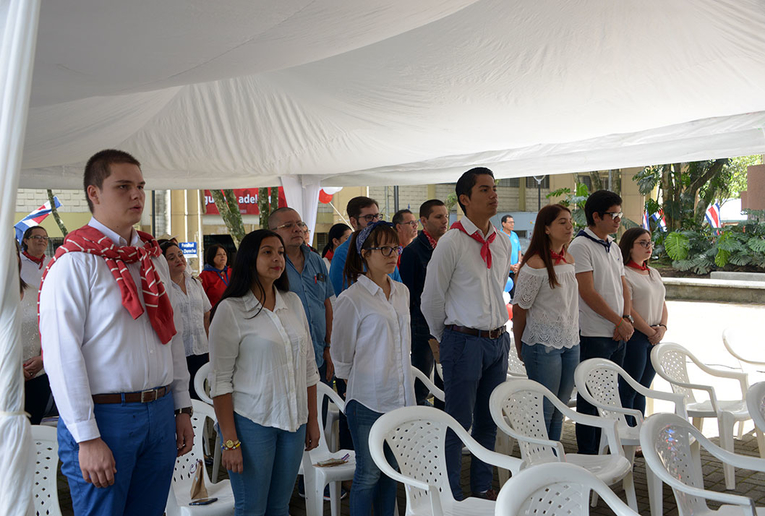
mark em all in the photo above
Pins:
pixel 463 305
pixel 116 363
pixel 605 323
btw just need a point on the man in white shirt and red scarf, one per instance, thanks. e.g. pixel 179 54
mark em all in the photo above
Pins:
pixel 114 353
pixel 463 305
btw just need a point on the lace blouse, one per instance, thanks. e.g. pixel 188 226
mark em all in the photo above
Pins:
pixel 553 314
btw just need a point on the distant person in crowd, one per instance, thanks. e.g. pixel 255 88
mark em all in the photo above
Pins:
pixel 649 311
pixel 194 308
pixel 605 320
pixel 307 239
pixel 263 380
pixel 216 273
pixel 371 350
pixel 463 305
pixel 337 235
pixel 309 279
pixel 362 211
pixel 546 310
pixel 508 226
pixel 406 226
pixel 413 267
pixel 112 351
pixel 33 259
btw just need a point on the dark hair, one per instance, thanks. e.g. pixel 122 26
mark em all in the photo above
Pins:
pixel 540 243
pixel 278 212
pixel 357 204
pixel 628 241
pixel 27 234
pixel 466 182
pixel 336 231
pixel 426 208
pixel 599 202
pixel 244 273
pixel 210 253
pixel 22 284
pixel 398 217
pixel 355 263
pixel 505 217
pixel 98 169
pixel 167 244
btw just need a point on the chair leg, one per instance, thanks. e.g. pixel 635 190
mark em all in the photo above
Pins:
pixel 504 445
pixel 334 495
pixel 216 459
pixel 760 441
pixel 629 488
pixel 698 422
pixel 726 424
pixel 655 492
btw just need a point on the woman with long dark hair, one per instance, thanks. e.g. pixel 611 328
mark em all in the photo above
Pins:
pixel 216 274
pixel 371 346
pixel 263 379
pixel 649 310
pixel 546 310
pixel 337 235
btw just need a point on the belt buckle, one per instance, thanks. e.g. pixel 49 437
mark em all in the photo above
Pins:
pixel 152 396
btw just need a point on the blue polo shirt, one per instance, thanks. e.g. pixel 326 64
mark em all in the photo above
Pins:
pixel 515 248
pixel 312 287
pixel 338 265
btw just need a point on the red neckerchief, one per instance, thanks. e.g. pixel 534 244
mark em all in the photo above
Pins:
pixel 634 265
pixel 432 241
pixel 88 239
pixel 38 261
pixel 558 257
pixel 485 250
pixel 329 255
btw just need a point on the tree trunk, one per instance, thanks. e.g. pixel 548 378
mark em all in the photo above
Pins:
pixel 264 207
pixel 597 184
pixel 616 178
pixel 55 214
pixel 274 198
pixel 225 201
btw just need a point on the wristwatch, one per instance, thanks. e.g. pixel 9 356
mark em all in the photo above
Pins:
pixel 629 318
pixel 230 445
pixel 185 410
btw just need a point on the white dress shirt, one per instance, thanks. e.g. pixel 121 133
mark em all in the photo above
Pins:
pixel 192 306
pixel 265 361
pixel 459 288
pixel 371 345
pixel 92 345
pixel 31 273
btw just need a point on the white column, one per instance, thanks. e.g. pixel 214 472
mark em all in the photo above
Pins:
pixel 303 198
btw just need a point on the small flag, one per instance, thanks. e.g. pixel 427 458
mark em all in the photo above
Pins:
pixel 646 223
pixel 713 216
pixel 34 219
pixel 658 217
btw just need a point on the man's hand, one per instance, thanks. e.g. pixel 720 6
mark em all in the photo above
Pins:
pixel 97 463
pixel 32 366
pixel 312 434
pixel 184 434
pixel 624 331
pixel 330 364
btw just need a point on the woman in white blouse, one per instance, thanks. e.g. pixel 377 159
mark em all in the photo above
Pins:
pixel 371 346
pixel 648 310
pixel 546 310
pixel 194 307
pixel 263 378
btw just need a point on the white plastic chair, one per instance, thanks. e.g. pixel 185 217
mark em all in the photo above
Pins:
pixel 666 440
pixel 670 362
pixel 202 388
pixel 515 368
pixel 518 410
pixel 315 477
pixel 597 381
pixel 45 490
pixel 432 389
pixel 755 403
pixel 180 495
pixel 748 365
pixel 555 490
pixel 417 437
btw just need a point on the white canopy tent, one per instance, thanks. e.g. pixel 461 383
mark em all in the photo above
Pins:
pixel 242 93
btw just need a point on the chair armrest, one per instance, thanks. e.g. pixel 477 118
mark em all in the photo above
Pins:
pixel 742 377
pixel 746 504
pixel 500 460
pixel 739 461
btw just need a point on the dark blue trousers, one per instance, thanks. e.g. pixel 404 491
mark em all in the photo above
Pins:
pixel 637 364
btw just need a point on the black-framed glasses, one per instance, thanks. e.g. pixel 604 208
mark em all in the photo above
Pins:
pixel 371 217
pixel 289 225
pixel 387 250
pixel 614 214
pixel 644 243
pixel 38 237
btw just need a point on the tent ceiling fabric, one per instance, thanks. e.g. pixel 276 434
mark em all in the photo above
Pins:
pixel 376 92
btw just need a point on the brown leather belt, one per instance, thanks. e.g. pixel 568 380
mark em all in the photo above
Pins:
pixel 487 334
pixel 132 397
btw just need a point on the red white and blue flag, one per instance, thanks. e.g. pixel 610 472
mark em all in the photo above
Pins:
pixel 658 217
pixel 646 224
pixel 713 216
pixel 34 218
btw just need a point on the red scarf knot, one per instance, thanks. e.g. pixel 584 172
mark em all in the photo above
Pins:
pixel 39 261
pixel 640 267
pixel 558 257
pixel 485 249
pixel 432 241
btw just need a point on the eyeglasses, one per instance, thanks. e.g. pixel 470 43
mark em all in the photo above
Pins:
pixel 644 243
pixel 290 225
pixel 412 223
pixel 371 217
pixel 387 250
pixel 614 214
pixel 39 238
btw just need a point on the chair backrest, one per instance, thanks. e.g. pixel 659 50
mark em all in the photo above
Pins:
pixel 600 379
pixel 515 368
pixel 325 391
pixel 185 465
pixel 755 402
pixel 45 489
pixel 670 362
pixel 732 336
pixel 555 490
pixel 200 383
pixel 419 376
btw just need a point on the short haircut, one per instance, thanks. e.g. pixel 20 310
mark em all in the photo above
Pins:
pixel 97 169
pixel 28 233
pixel 505 217
pixel 398 217
pixel 426 208
pixel 599 202
pixel 357 204
pixel 278 212
pixel 466 182
pixel 210 253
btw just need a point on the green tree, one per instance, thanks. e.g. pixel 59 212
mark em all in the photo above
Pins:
pixel 228 207
pixel 54 212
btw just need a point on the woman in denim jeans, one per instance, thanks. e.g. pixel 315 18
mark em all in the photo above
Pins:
pixel 546 310
pixel 371 345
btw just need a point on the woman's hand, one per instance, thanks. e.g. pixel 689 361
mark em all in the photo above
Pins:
pixel 312 434
pixel 232 460
pixel 31 367
pixel 658 335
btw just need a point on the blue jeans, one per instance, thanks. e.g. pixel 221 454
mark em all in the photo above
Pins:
pixel 371 488
pixel 473 367
pixel 422 359
pixel 637 364
pixel 587 437
pixel 141 437
pixel 271 459
pixel 553 368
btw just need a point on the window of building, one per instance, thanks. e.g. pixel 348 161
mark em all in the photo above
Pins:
pixel 513 182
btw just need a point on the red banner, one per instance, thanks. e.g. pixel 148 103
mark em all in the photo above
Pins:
pixel 247 199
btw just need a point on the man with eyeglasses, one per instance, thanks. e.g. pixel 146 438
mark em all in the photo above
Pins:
pixel 362 211
pixel 406 226
pixel 605 323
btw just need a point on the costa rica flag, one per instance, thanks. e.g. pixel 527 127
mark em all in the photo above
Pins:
pixel 713 216
pixel 34 219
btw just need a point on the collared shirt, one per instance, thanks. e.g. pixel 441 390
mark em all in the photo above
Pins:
pixel 265 361
pixel 313 288
pixel 607 271
pixel 92 345
pixel 413 267
pixel 459 288
pixel 371 344
pixel 515 244
pixel 31 273
pixel 192 306
pixel 338 265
